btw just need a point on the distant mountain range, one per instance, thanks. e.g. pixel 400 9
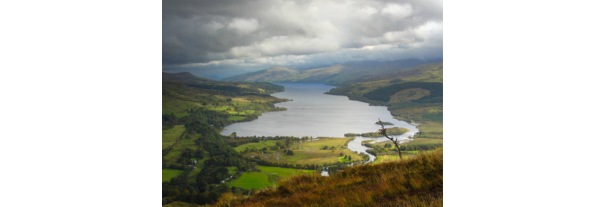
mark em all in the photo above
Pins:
pixel 334 75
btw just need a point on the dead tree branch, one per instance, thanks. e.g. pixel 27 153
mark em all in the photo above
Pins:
pixel 383 131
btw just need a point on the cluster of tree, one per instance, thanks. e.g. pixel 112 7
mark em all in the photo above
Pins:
pixel 290 152
pixel 326 147
pixel 348 158
pixel 208 195
pixel 211 174
pixel 207 139
pixel 390 131
pixel 387 149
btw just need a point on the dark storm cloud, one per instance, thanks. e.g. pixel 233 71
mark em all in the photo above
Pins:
pixel 262 32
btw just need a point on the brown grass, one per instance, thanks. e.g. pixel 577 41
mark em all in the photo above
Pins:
pixel 417 181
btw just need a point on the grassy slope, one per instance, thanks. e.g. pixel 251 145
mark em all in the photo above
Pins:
pixel 168 174
pixel 417 181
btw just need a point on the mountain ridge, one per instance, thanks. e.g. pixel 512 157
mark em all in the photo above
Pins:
pixel 338 74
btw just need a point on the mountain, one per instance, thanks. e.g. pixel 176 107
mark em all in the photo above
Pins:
pixel 335 75
pixel 184 77
pixel 430 72
pixel 266 75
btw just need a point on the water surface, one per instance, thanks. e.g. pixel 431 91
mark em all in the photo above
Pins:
pixel 313 113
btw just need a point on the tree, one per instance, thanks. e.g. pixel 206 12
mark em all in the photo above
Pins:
pixel 383 131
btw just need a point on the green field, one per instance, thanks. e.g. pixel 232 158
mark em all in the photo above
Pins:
pixel 168 174
pixel 309 152
pixel 258 145
pixel 256 180
pixel 170 136
pixel 284 172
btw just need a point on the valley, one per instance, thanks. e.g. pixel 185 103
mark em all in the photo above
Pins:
pixel 238 136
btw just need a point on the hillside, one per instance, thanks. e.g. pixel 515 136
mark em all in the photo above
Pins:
pixel 412 94
pixel 416 181
pixel 334 75
pixel 274 74
pixel 430 72
pixel 194 110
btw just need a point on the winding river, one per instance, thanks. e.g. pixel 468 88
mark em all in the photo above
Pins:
pixel 313 113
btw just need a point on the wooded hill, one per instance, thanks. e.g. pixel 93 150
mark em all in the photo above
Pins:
pixel 195 156
pixel 334 75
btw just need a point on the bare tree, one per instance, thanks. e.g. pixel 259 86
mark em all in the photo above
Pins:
pixel 383 131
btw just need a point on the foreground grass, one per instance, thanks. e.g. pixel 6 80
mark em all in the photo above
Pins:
pixel 181 204
pixel 417 181
pixel 389 158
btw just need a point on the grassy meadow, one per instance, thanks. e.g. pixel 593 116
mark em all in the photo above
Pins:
pixel 266 178
pixel 170 136
pixel 256 180
pixel 168 174
pixel 258 145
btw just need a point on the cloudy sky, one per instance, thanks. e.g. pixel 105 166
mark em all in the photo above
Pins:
pixel 236 36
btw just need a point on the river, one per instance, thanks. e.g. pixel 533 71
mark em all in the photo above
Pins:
pixel 313 113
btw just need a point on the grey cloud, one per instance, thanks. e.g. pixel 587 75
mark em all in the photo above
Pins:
pixel 263 32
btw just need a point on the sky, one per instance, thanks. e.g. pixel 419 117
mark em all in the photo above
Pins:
pixel 223 38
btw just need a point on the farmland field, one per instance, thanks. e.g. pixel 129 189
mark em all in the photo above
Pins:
pixel 310 152
pixel 254 180
pixel 170 136
pixel 168 174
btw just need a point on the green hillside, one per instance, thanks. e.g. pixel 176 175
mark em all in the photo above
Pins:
pixel 412 94
pixel 194 153
pixel 334 75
